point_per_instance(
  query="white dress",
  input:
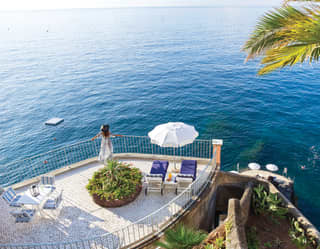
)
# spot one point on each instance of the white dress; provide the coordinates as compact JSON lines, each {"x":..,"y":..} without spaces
{"x":106,"y":149}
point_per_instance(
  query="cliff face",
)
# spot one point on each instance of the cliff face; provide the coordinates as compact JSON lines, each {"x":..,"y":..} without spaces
{"x":228,"y":199}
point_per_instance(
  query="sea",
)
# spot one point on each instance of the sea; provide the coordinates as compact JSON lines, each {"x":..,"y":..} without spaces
{"x":135,"y":68}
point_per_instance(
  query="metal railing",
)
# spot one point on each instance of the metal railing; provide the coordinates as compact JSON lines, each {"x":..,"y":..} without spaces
{"x":144,"y":228}
{"x":21,"y":170}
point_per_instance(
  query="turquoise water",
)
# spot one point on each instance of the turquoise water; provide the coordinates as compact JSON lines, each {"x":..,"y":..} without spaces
{"x":136,"y":68}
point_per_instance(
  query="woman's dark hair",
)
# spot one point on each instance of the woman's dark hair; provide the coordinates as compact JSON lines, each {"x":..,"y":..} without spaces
{"x":105,"y":129}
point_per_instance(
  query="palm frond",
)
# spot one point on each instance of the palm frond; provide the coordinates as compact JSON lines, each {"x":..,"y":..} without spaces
{"x":182,"y":238}
{"x":285,"y":37}
{"x":286,"y":1}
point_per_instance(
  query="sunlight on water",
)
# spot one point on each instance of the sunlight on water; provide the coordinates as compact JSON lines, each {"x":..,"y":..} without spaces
{"x":136,"y":68}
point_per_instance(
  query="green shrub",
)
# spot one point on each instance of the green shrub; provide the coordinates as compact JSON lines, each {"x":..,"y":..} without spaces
{"x":267,"y":244}
{"x":209,"y":247}
{"x":268,"y":203}
{"x":182,"y":237}
{"x":117,"y":180}
{"x":297,"y":235}
{"x":228,"y":226}
{"x":219,"y":243}
{"x":260,"y":199}
{"x":252,"y":240}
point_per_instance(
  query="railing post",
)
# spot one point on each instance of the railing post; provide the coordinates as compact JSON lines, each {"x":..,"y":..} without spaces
{"x":125,"y":144}
{"x":65,"y":154}
{"x":217,"y":143}
{"x":32,"y":168}
{"x":151,"y":148}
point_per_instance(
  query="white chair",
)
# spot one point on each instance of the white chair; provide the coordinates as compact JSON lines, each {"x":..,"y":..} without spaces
{"x":11,"y":197}
{"x":47,"y":182}
{"x":154,"y":183}
{"x":24,"y":215}
{"x":54,"y":201}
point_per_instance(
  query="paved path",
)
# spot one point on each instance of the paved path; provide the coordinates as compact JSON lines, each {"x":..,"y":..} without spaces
{"x":79,"y":217}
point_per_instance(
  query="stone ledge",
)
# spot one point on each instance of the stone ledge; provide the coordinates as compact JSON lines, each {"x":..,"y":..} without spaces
{"x":236,"y":238}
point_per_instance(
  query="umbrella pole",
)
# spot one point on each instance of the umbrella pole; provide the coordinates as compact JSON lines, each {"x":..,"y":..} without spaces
{"x":174,"y":157}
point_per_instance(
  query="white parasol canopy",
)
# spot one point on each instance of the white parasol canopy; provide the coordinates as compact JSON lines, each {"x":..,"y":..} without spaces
{"x":272,"y":167}
{"x":254,"y":166}
{"x":173,"y":134}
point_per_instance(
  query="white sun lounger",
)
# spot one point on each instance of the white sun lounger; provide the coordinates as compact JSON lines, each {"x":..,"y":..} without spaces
{"x":154,"y":183}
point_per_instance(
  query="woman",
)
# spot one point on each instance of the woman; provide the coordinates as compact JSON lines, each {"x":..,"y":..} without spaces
{"x":106,"y":148}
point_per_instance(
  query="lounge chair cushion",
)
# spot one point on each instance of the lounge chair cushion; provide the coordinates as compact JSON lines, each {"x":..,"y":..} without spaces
{"x":185,"y":175}
{"x":184,"y":179}
{"x":154,"y":175}
{"x":159,"y":167}
{"x":189,"y":167}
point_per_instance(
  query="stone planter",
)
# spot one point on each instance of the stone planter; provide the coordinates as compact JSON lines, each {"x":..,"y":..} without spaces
{"x":116,"y":203}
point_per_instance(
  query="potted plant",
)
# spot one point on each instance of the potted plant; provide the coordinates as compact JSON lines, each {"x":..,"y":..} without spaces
{"x":115,"y":185}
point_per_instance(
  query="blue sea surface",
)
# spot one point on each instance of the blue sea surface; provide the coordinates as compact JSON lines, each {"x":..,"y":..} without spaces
{"x":138,"y":67}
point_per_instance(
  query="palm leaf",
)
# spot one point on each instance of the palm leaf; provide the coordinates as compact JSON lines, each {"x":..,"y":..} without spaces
{"x":286,"y":36}
{"x":182,"y":238}
{"x":286,"y":1}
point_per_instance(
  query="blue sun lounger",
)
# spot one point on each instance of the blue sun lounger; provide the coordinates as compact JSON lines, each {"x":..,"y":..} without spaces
{"x":160,"y":167}
{"x":156,"y":177}
{"x":189,"y":167}
{"x":188,"y":173}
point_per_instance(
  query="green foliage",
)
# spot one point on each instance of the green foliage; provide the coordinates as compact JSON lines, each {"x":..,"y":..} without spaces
{"x":219,"y":243}
{"x":277,"y":243}
{"x":297,"y":235}
{"x":286,"y":36}
{"x":117,"y":180}
{"x":268,"y":203}
{"x":228,"y":226}
{"x":252,"y":240}
{"x":260,"y":199}
{"x":267,"y":245}
{"x":182,"y":237}
{"x":209,"y":247}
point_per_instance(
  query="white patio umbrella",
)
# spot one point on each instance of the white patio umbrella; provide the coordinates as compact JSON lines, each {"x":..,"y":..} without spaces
{"x":272,"y":167}
{"x":173,"y":134}
{"x":254,"y":166}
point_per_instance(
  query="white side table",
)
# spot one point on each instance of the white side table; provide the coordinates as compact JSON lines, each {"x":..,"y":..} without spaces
{"x":170,"y":184}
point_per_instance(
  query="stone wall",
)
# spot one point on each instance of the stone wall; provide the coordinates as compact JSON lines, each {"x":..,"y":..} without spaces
{"x":227,"y":177}
{"x":238,"y":214}
{"x":201,"y":213}
{"x":245,"y":203}
{"x":200,"y":216}
{"x":236,"y":237}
